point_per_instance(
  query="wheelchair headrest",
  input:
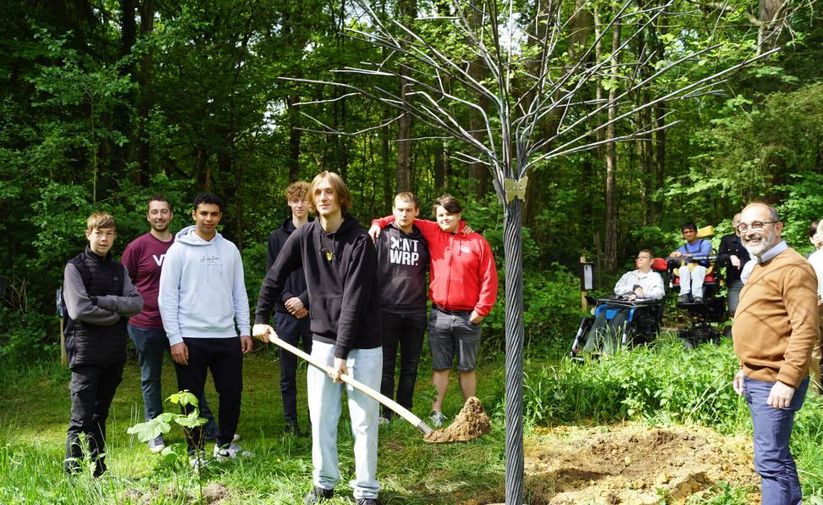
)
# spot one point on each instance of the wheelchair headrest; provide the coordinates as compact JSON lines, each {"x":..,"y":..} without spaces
{"x":705,"y":232}
{"x":659,"y":265}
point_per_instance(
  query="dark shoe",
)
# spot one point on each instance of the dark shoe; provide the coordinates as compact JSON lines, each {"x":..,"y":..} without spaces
{"x":697,"y":299}
{"x":368,"y":501}
{"x":683,"y":299}
{"x":293,"y":429}
{"x":317,"y":495}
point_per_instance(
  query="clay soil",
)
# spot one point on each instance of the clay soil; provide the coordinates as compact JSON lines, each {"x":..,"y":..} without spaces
{"x":634,"y":465}
{"x":471,"y":422}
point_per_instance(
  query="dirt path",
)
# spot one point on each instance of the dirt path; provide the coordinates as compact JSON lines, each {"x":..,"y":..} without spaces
{"x":633,"y":465}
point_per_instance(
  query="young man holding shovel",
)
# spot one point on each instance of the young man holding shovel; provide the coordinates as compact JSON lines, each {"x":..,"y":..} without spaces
{"x":340,"y":264}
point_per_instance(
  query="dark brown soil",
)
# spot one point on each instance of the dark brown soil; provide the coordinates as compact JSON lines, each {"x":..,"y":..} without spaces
{"x":470,"y":423}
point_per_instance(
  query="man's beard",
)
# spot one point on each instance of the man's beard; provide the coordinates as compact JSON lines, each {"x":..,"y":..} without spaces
{"x":157,"y":228}
{"x":768,"y":241}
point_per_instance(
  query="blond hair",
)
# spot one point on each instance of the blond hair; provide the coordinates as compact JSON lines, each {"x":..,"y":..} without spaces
{"x":338,"y":186}
{"x":100,"y":220}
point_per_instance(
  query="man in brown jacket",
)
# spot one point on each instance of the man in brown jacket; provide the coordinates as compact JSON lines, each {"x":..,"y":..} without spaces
{"x":775,"y":328}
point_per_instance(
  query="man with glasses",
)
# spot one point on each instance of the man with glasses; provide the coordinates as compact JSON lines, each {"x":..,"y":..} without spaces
{"x":774,"y":331}
{"x":693,"y":257}
{"x":639,"y":285}
{"x":642,"y":283}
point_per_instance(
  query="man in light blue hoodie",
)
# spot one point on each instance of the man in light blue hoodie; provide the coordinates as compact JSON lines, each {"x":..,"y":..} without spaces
{"x":202,"y":296}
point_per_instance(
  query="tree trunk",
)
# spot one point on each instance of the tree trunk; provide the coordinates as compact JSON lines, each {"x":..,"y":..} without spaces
{"x":515,"y":338}
{"x":770,"y":15}
{"x":407,"y":10}
{"x":611,"y":163}
{"x":145,"y":100}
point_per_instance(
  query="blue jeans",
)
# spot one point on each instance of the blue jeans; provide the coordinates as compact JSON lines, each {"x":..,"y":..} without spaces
{"x":403,"y":331}
{"x":773,"y":460}
{"x":151,"y":344}
{"x":325,"y":406}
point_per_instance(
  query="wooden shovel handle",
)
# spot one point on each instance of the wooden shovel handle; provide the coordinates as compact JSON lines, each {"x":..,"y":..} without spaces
{"x":371,"y":393}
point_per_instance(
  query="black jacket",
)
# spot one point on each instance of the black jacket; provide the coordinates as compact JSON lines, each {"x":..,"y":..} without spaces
{"x":98,"y":297}
{"x":296,"y":282}
{"x":341,"y":281}
{"x":731,"y":245}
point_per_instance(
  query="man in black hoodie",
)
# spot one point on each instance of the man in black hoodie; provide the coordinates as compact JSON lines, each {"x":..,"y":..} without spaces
{"x":403,"y":260}
{"x":340,"y":264}
{"x":290,"y":310}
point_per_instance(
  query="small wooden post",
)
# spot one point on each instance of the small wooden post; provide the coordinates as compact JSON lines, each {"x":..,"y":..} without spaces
{"x":586,"y":282}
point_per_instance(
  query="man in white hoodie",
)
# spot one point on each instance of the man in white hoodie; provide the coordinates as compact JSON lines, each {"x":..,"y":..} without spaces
{"x":202,"y":296}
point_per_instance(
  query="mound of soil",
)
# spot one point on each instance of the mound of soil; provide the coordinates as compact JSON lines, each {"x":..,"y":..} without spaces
{"x":471,"y":422}
{"x":633,"y":465}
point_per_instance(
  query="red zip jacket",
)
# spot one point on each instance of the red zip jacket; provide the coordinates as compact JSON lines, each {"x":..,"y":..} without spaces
{"x":463,"y":273}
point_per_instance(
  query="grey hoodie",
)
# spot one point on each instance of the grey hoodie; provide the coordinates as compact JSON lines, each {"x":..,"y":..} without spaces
{"x":202,"y":289}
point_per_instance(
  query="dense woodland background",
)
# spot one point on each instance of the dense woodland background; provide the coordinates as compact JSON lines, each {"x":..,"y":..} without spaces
{"x":104,"y":103}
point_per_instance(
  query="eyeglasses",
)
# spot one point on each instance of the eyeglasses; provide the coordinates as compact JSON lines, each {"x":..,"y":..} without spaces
{"x":756,"y":225}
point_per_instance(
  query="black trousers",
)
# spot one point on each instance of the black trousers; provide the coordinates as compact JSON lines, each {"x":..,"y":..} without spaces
{"x":403,"y":331}
{"x":223,"y":357}
{"x":92,"y":391}
{"x":292,"y":331}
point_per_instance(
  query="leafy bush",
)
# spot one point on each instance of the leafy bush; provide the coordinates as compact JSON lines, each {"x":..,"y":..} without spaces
{"x":25,"y":337}
{"x":664,"y":382}
{"x":551,"y":310}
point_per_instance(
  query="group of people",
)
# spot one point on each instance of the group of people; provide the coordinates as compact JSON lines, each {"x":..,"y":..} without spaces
{"x":775,"y":298}
{"x":354,"y":298}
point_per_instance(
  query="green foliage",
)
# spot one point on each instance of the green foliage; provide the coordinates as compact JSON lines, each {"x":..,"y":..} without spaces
{"x":662,"y":383}
{"x":27,"y":336}
{"x":161,"y":425}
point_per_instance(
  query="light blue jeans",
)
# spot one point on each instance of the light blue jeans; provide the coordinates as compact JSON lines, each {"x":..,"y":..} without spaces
{"x":325,"y":406}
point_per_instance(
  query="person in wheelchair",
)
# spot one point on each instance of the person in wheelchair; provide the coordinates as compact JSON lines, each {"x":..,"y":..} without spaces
{"x":693,"y":259}
{"x":635,"y":310}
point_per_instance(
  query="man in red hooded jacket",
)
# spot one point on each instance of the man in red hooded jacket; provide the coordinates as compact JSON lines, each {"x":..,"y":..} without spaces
{"x":463,"y":290}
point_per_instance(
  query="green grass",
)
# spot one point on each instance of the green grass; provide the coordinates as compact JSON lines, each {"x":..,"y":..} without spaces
{"x":34,"y":411}
{"x":662,"y":385}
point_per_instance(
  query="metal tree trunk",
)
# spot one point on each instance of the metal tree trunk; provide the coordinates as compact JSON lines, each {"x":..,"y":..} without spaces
{"x":515,"y":336}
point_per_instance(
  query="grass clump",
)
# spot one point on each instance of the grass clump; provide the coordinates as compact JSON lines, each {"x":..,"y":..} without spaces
{"x":665,"y":383}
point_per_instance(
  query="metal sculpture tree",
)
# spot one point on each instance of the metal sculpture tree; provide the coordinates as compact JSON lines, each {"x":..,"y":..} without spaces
{"x":527,"y":81}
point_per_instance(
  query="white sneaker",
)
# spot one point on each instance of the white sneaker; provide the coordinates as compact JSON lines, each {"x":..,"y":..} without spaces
{"x":437,"y":419}
{"x":231,"y":451}
{"x":157,"y":444}
{"x":198,"y":460}
{"x":384,"y":421}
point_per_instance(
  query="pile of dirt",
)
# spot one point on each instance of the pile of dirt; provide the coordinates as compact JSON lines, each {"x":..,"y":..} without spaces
{"x":633,"y":465}
{"x":470,"y":423}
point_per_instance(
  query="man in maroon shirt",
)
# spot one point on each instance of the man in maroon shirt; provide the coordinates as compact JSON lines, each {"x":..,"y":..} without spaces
{"x":143,"y":258}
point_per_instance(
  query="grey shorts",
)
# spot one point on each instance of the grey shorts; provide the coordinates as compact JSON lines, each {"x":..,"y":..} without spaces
{"x":451,"y":333}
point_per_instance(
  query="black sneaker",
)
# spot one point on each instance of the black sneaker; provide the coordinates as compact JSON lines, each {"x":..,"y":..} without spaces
{"x":293,"y":429}
{"x":368,"y":501}
{"x":698,"y":299}
{"x":683,"y":299}
{"x":317,"y":495}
